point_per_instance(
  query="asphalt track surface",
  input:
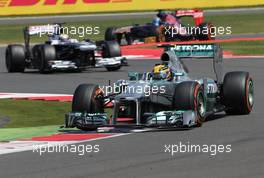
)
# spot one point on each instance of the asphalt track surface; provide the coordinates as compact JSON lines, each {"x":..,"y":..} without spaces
{"x":101,"y":17}
{"x":142,"y":154}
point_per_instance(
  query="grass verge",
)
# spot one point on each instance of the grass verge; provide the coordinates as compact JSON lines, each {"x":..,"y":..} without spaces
{"x":9,"y":134}
{"x":32,"y":118}
{"x":26,"y":113}
{"x":245,"y":47}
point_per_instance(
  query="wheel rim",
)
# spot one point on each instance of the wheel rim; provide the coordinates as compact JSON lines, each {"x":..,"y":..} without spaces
{"x":98,"y":92}
{"x":200,"y":104}
{"x":98,"y":100}
{"x":250,"y":93}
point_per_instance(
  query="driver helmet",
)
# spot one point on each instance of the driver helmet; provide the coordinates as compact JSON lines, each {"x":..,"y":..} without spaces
{"x":64,"y":37}
{"x":156,"y":22}
{"x":161,"y":14}
{"x":162,"y":72}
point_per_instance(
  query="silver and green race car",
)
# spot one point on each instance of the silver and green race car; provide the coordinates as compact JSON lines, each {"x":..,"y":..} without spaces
{"x":181,"y":102}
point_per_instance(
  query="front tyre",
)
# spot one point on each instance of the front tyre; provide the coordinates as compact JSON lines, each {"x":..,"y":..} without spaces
{"x":189,"y":96}
{"x":48,"y":53}
{"x":238,"y":93}
{"x":207,"y":31}
{"x":88,"y":98}
{"x":111,"y":49}
{"x":43,"y":54}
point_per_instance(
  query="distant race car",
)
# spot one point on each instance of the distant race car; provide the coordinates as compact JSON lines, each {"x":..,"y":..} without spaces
{"x":162,"y":31}
{"x":61,"y":52}
{"x":183,"y":102}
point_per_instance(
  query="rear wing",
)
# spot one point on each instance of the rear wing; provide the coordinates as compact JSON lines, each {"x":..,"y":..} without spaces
{"x":43,"y":29}
{"x":39,"y":30}
{"x":193,"y":50}
{"x":210,"y":50}
{"x":197,"y":15}
{"x":192,"y":12}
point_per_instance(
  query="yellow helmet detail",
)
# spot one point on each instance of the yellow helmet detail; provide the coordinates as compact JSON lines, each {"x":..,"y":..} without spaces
{"x":162,"y":72}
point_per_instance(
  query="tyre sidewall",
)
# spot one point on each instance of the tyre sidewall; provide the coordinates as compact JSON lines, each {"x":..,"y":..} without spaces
{"x":15,"y":58}
{"x":235,"y":92}
{"x":186,"y":98}
{"x":84,"y":101}
{"x":47,"y":53}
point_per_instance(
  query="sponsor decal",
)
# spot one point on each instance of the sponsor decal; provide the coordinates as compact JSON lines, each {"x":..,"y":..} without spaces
{"x":194,"y":48}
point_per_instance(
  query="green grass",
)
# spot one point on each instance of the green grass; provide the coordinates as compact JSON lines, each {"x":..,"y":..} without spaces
{"x":245,"y":47}
{"x":14,"y":33}
{"x":33,"y":118}
{"x":240,"y":23}
{"x":8,"y":134}
{"x":26,"y":113}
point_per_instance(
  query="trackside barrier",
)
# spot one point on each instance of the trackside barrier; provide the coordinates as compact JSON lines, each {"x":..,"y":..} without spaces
{"x":33,"y":7}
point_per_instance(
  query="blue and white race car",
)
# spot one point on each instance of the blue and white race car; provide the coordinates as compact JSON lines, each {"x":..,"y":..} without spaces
{"x":60,"y":52}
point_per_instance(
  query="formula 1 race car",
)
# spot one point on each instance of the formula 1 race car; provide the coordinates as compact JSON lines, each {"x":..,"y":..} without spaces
{"x":61,"y":52}
{"x":169,"y":28}
{"x":173,"y":101}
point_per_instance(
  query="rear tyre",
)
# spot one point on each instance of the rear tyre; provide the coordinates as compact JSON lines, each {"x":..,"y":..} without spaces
{"x":189,"y":96}
{"x":15,"y":58}
{"x":238,"y":93}
{"x":111,"y":49}
{"x":88,"y":98}
{"x":207,"y":27}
